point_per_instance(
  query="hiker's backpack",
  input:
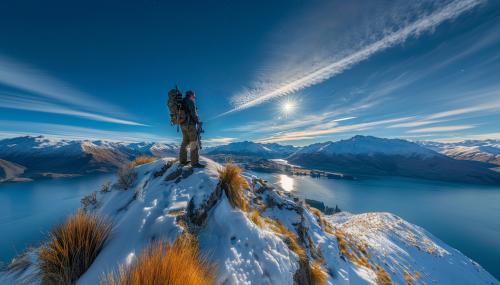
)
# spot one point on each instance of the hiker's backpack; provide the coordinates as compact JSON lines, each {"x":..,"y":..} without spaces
{"x":175,"y":106}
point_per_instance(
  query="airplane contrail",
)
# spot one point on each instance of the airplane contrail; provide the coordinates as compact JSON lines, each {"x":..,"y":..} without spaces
{"x":448,"y":12}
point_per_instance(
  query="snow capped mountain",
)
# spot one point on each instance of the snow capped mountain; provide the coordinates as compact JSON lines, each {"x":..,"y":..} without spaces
{"x":366,"y":155}
{"x":369,"y":145}
{"x":247,"y":148}
{"x":282,"y":244}
{"x":40,"y":155}
{"x":484,"y":151}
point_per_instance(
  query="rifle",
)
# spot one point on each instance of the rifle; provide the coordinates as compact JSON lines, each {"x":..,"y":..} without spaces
{"x":199,"y":131}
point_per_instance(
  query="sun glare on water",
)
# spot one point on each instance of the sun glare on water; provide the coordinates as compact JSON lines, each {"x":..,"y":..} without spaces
{"x":286,"y":183}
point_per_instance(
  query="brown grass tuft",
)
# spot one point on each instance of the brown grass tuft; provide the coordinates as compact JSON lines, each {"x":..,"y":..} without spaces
{"x":143,"y":159}
{"x":256,"y":218}
{"x":383,"y":277}
{"x":162,"y":263}
{"x":234,"y":184}
{"x":355,"y":252}
{"x":290,"y":238}
{"x":72,"y":248}
{"x":318,"y":275}
{"x":408,"y":278}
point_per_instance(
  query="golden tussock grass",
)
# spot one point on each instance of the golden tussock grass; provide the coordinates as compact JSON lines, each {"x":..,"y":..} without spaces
{"x":72,"y":248}
{"x":355,"y":252}
{"x":143,"y":159}
{"x":383,"y":277}
{"x":289,"y":238}
{"x":234,"y":184}
{"x":327,"y":227}
{"x":318,"y":275}
{"x":408,"y":278}
{"x":161,"y":263}
{"x":256,"y":218}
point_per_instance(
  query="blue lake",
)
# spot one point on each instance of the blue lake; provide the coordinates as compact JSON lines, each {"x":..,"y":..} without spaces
{"x":466,"y":217}
{"x":29,"y":210}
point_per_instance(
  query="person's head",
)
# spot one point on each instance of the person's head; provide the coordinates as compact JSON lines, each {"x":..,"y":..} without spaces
{"x":191,"y":95}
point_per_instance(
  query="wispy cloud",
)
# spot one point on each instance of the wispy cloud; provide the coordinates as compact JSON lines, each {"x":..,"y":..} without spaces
{"x":482,"y":136}
{"x":288,"y":84}
{"x":442,"y":129}
{"x":319,"y":131}
{"x":21,"y":128}
{"x":51,"y":95}
{"x":31,"y":104}
{"x":218,"y":141}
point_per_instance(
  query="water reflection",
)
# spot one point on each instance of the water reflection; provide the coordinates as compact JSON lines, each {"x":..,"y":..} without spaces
{"x":286,"y":182}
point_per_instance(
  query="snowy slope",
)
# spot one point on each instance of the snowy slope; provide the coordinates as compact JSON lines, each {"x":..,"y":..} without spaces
{"x":11,"y":171}
{"x":483,"y":151}
{"x":248,"y":252}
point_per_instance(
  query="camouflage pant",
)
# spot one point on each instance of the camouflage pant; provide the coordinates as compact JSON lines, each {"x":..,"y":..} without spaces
{"x":189,"y":138}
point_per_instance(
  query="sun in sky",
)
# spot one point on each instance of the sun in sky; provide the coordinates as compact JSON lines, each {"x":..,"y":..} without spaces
{"x":288,"y":106}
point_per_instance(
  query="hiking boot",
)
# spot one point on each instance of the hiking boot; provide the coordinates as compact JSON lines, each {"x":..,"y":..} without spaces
{"x":184,"y":163}
{"x":198,"y":165}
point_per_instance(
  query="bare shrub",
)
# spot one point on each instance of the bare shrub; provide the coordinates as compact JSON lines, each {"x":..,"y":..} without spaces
{"x":126,"y":176}
{"x":72,"y":248}
{"x":163,"y":263}
{"x":89,"y":200}
{"x":233,"y":184}
{"x":106,"y":187}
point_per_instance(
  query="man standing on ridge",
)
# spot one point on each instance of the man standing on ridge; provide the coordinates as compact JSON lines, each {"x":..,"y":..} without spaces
{"x":190,"y":127}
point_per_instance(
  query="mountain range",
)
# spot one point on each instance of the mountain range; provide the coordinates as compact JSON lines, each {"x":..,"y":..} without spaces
{"x":475,"y":150}
{"x":367,"y":155}
{"x":29,"y":157}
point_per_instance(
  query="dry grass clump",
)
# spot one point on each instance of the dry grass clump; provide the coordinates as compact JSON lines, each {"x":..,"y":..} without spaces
{"x":408,"y":278}
{"x":256,"y":218}
{"x":143,"y":159}
{"x":383,"y":277}
{"x":290,"y":238}
{"x":233,"y":184}
{"x":355,"y":252}
{"x":72,"y":248}
{"x":163,"y":263}
{"x":327,"y":227}
{"x":318,"y":275}
{"x":126,"y":176}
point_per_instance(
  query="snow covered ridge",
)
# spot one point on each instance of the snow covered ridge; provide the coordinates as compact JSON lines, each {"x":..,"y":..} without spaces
{"x":277,"y":240}
{"x":484,"y":151}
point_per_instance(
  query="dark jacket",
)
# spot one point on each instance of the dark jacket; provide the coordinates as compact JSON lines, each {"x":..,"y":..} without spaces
{"x":191,"y":111}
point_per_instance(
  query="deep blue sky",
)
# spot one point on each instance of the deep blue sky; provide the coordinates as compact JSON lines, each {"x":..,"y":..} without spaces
{"x":421,"y":70}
